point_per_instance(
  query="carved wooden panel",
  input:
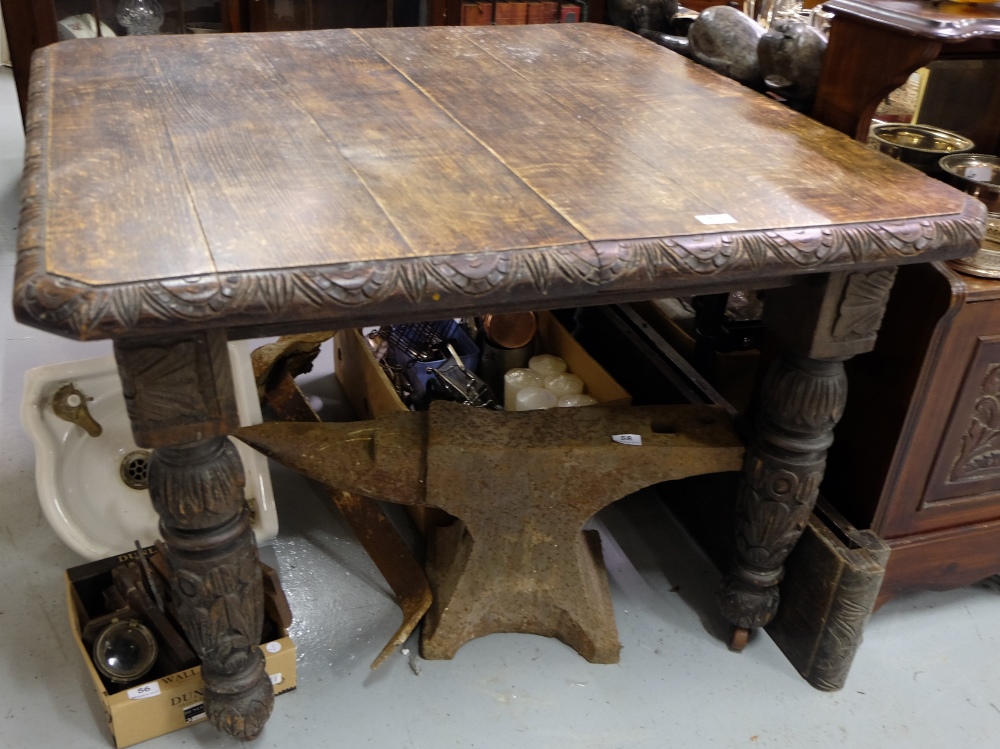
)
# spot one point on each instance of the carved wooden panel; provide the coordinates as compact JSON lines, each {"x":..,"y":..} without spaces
{"x":979,"y":454}
{"x":863,"y":304}
{"x":834,"y":316}
{"x":177,"y":389}
{"x":968,"y":463}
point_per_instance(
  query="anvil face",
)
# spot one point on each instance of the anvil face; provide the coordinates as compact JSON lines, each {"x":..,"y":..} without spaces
{"x":522,"y":486}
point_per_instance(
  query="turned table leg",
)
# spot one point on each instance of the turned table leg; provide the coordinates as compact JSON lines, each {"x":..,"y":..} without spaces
{"x":820,"y":324}
{"x":180,"y":400}
{"x":801,"y":402}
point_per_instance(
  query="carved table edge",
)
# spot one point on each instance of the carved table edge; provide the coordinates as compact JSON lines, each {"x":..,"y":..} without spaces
{"x":354,"y":293}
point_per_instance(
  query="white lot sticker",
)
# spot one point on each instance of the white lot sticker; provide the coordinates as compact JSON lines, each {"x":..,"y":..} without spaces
{"x":145,"y":691}
{"x":277,"y":678}
{"x":716,"y":218}
{"x":273,"y":647}
{"x":627,"y":439}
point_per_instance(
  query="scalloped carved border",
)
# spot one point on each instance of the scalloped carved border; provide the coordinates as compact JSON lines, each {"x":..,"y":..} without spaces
{"x":356,"y":293}
{"x":344,"y":292}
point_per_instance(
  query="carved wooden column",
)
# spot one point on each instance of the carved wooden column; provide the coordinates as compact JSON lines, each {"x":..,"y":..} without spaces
{"x":820,"y":324}
{"x":179,"y":394}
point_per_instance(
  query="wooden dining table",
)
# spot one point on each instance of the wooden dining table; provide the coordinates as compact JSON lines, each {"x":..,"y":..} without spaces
{"x":183,"y":191}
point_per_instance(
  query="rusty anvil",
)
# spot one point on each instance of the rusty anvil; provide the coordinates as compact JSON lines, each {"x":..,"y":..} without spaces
{"x":522,"y":485}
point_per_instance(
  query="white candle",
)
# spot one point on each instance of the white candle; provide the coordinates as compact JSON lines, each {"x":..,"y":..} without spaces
{"x":576,"y":399}
{"x":534,"y":399}
{"x":514,"y":381}
{"x":547,"y":364}
{"x":564,"y":383}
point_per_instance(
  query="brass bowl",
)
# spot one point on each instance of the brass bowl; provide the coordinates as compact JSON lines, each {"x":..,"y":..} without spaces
{"x":976,"y":174}
{"x":979,"y":176}
{"x":920,"y":146}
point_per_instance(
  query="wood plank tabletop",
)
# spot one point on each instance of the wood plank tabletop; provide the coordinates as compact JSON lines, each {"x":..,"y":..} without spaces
{"x":359,"y":175}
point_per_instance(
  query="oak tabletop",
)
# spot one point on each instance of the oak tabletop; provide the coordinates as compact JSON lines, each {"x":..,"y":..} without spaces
{"x":360,"y":176}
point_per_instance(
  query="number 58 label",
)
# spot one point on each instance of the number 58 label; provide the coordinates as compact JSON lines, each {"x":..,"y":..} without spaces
{"x":627,"y":439}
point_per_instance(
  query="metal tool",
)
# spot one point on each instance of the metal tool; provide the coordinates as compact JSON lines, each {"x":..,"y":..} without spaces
{"x":522,"y":485}
{"x":459,"y":384}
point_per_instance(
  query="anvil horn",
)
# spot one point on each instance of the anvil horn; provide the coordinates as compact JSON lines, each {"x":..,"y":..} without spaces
{"x":382,"y":459}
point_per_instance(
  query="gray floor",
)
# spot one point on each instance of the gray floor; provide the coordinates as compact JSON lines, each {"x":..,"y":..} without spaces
{"x":926,"y":675}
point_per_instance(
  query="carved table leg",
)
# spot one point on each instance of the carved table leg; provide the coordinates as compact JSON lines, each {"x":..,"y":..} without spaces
{"x":180,"y":401}
{"x":821,"y":324}
{"x":801,"y":402}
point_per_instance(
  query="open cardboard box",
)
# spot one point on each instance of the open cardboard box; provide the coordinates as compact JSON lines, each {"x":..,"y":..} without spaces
{"x":372,"y":395}
{"x":170,"y":701}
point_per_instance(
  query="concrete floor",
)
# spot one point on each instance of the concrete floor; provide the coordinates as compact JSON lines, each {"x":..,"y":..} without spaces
{"x":926,"y":675}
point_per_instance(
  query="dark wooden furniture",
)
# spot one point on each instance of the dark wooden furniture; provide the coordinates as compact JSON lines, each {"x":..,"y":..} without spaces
{"x":32,"y":23}
{"x":449,"y":12}
{"x":923,"y":475}
{"x":355,"y":178}
{"x":876,"y":44}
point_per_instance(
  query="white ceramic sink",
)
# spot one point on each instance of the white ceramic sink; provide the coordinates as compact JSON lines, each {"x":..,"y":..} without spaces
{"x":79,"y":480}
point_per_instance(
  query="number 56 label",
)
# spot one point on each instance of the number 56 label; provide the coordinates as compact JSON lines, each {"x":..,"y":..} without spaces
{"x":145,"y":691}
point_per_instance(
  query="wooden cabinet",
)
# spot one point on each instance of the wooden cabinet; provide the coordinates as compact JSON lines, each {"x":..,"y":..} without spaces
{"x":876,"y":44}
{"x":917,"y":457}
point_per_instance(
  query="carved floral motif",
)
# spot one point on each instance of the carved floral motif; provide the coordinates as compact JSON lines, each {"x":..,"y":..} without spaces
{"x":979,"y":454}
{"x":863,"y":303}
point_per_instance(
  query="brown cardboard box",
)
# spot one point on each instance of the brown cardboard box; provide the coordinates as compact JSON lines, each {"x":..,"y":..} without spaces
{"x":172,"y":701}
{"x":372,"y":395}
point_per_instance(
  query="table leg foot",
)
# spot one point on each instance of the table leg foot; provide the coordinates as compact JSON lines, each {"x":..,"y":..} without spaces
{"x":240,"y":705}
{"x":738,"y":639}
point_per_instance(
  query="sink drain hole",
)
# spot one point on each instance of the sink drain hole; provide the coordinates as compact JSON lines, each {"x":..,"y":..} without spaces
{"x":135,"y":469}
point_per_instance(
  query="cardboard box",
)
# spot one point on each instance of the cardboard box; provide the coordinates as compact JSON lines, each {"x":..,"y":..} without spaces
{"x":163,"y":704}
{"x":372,"y":395}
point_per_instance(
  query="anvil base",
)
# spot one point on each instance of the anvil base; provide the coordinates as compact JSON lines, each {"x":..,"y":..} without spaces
{"x":474,"y":597}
